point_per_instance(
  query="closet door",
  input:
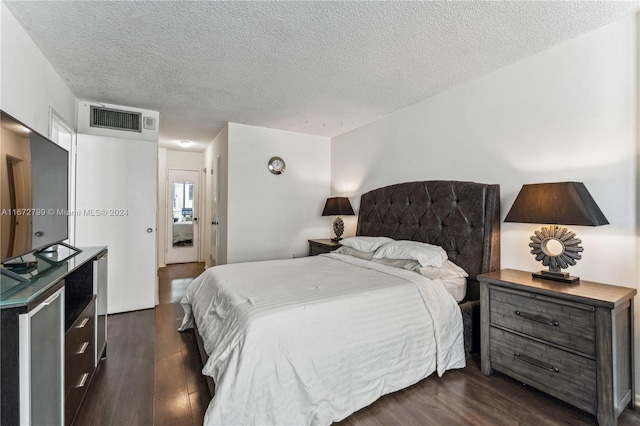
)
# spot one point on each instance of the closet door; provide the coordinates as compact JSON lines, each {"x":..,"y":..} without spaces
{"x":116,"y":203}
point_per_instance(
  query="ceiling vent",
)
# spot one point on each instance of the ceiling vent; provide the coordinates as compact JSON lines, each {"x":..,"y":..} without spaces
{"x":108,"y":118}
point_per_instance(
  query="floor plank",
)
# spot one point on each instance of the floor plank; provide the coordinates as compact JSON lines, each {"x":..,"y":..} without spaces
{"x":178,"y":378}
{"x":168,"y":340}
{"x":172,"y":405}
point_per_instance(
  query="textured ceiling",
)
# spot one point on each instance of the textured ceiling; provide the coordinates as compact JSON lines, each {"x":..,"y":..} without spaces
{"x":312,"y":67}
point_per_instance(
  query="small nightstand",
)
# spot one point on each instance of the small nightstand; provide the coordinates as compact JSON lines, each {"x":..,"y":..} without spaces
{"x":571,"y":341}
{"x":320,"y":246}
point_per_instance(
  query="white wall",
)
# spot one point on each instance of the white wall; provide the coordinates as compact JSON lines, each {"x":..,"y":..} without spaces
{"x":170,"y":159}
{"x":272,"y":216}
{"x":28,"y":83}
{"x":184,"y":160}
{"x":567,"y":114}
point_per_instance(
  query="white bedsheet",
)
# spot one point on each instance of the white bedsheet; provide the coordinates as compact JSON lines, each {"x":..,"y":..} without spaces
{"x":311,"y":340}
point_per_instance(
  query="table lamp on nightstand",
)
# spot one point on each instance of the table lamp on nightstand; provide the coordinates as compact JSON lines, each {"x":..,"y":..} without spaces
{"x":338,"y":206}
{"x":563,"y":203}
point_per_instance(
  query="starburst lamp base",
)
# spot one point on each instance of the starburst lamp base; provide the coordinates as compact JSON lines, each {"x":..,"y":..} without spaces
{"x":556,"y":247}
{"x":338,"y":228}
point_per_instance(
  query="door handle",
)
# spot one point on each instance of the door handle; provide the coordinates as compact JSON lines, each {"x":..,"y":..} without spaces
{"x":214,"y":223}
{"x":149,"y":230}
{"x":195,"y":219}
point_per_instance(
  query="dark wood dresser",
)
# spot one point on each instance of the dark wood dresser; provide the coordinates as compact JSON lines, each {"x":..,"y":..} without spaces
{"x":56,"y":321}
{"x":325,"y":245}
{"x":571,"y":341}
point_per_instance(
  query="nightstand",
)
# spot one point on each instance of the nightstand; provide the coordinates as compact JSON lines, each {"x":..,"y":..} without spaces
{"x":571,"y":341}
{"x":320,"y":246}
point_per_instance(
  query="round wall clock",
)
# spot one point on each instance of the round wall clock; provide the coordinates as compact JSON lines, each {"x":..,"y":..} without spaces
{"x":276,"y":165}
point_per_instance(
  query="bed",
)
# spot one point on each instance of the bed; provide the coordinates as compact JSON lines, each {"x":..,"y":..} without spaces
{"x":344,"y":331}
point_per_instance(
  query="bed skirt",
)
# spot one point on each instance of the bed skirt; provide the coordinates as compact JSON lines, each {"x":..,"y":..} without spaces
{"x":471,"y":326}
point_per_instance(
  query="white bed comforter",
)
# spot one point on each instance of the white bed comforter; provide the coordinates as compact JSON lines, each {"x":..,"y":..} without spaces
{"x":312,"y":340}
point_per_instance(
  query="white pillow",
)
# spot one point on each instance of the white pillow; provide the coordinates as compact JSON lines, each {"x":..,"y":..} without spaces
{"x":447,"y":270}
{"x":426,"y":254}
{"x":367,"y":244}
{"x":355,"y":253}
{"x":409,"y":264}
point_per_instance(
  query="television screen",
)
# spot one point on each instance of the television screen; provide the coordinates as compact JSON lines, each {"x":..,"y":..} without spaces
{"x":34,"y":191}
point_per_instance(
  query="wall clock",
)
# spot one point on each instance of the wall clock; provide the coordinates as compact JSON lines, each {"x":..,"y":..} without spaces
{"x":276,"y":165}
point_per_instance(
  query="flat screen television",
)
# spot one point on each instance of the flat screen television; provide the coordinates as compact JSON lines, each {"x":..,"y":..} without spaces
{"x":34,"y":193}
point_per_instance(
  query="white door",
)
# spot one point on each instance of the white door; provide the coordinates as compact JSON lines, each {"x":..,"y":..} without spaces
{"x":116,"y":205}
{"x":215,"y":222}
{"x":182,"y":216}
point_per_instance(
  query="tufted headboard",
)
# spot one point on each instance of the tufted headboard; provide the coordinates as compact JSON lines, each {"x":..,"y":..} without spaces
{"x":461,"y":217}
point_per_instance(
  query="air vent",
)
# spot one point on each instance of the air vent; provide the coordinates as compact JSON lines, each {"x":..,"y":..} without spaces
{"x":108,"y":118}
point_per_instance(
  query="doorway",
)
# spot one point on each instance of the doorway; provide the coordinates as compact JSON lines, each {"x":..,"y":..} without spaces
{"x":182,"y":216}
{"x":215,"y":221}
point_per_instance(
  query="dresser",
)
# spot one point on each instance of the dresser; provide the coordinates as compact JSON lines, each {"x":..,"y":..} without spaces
{"x":324,"y":245}
{"x":54,"y":334}
{"x":571,"y":341}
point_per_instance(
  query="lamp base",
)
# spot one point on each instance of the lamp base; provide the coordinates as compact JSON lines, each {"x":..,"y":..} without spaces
{"x":338,"y":228}
{"x":562,"y":277}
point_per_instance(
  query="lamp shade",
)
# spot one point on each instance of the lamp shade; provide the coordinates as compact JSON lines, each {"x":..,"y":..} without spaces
{"x":337,"y":206}
{"x":562,"y":203}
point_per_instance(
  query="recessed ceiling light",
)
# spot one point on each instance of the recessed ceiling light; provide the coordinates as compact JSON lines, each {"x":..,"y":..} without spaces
{"x":185,"y":144}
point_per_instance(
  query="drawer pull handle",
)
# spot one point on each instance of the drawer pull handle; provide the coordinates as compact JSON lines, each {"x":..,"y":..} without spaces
{"x":83,"y":323}
{"x":83,"y":380}
{"x":535,"y":318}
{"x":82,"y":348}
{"x":536,"y":363}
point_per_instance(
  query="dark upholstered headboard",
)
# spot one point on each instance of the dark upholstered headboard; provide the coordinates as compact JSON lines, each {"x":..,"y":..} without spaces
{"x":461,"y":217}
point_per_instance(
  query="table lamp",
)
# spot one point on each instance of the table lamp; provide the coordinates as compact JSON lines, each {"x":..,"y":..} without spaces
{"x":338,"y":206}
{"x":562,"y":203}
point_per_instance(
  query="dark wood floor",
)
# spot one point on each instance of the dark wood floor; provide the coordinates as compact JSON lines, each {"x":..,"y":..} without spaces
{"x":152,"y":376}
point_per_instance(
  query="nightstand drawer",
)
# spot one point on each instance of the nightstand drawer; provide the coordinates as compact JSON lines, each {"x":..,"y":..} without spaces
{"x":556,"y":372}
{"x":564,"y":323}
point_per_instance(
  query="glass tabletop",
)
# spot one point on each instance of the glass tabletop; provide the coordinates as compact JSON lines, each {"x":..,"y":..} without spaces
{"x":32,"y":274}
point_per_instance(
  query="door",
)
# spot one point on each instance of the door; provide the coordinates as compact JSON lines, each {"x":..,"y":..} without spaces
{"x":116,"y":206}
{"x":182,"y":216}
{"x":215,"y":235}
